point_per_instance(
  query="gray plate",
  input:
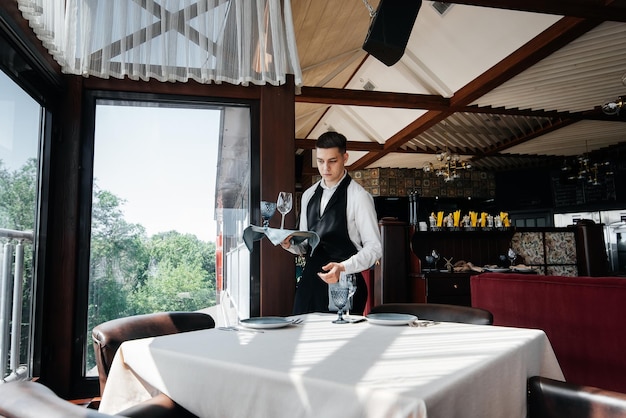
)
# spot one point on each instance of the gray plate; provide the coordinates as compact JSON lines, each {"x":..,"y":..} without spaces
{"x":265,"y":322}
{"x":390,"y":318}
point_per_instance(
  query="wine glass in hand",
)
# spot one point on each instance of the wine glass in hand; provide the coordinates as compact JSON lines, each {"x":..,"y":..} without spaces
{"x":284,"y":204}
{"x":267,"y":211}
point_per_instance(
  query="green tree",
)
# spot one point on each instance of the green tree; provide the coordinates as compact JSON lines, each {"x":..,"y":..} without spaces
{"x":180,"y":288}
{"x":176,"y":248}
{"x":182,"y":274}
{"x":118,"y":260}
{"x":18,"y":193}
{"x":18,"y":196}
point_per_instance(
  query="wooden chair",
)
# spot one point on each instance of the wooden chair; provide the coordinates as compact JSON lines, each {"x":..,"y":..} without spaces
{"x":29,"y":399}
{"x":548,"y":398}
{"x":438,"y":312}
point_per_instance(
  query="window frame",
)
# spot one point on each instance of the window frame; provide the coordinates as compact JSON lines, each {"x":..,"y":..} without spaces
{"x":43,"y":86}
{"x":88,"y":385}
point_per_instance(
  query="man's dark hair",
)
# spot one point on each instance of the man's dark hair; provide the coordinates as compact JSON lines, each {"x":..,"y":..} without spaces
{"x":332,"y":139}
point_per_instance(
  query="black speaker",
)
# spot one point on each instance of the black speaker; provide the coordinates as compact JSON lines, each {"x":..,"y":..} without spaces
{"x":390,"y":29}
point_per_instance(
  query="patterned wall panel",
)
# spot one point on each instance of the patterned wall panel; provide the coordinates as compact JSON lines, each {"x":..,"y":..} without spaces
{"x":560,"y":248}
{"x":570,"y":271}
{"x":552,"y":253}
{"x":529,"y":246}
{"x":398,"y":182}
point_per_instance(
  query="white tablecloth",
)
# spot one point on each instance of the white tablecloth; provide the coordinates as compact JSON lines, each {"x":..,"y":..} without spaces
{"x":321,"y":369}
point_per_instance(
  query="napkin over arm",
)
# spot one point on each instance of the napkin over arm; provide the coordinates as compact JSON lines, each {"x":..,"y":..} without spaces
{"x":276,"y":236}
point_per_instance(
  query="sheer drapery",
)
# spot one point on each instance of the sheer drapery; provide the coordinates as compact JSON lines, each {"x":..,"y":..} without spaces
{"x":234,"y":41}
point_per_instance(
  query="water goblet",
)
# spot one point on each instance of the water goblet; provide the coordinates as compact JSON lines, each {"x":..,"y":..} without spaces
{"x":284,"y":204}
{"x":430,"y":263}
{"x":340,"y":298}
{"x":435,"y":256}
{"x":267,"y":211}
{"x":512,"y":256}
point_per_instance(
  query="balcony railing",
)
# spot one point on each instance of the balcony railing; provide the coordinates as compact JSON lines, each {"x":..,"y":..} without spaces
{"x":11,"y":303}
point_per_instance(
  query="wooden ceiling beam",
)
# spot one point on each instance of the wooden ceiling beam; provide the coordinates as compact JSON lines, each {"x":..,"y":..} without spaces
{"x":328,"y":96}
{"x":611,"y":10}
{"x":426,"y":121}
{"x":335,"y":96}
{"x":350,"y":145}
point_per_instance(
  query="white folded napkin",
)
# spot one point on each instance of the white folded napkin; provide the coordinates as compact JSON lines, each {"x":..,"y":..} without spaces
{"x":276,"y":236}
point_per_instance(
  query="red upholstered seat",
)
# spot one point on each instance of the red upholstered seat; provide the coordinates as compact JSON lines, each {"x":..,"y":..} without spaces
{"x":583,"y":317}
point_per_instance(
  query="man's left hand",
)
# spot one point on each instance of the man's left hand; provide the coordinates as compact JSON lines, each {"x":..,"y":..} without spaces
{"x":331,"y":272}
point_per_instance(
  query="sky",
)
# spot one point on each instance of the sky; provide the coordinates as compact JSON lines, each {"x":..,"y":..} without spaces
{"x":162,"y":162}
{"x":19,"y":124}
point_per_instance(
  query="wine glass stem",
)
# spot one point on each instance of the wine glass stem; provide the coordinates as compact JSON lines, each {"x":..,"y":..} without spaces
{"x":282,"y":221}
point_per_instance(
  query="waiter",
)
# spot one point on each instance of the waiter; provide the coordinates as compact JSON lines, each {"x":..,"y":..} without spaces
{"x":342,"y":213}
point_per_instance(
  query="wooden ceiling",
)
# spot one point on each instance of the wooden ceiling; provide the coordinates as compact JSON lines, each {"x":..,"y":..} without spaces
{"x":507,"y":84}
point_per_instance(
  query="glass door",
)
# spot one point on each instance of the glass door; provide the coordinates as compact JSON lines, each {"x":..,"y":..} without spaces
{"x":20,"y":142}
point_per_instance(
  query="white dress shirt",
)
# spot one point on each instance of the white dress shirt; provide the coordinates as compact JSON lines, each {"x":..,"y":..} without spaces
{"x":362,"y":224}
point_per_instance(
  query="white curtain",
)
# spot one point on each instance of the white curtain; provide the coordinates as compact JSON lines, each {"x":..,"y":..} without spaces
{"x":233,"y":41}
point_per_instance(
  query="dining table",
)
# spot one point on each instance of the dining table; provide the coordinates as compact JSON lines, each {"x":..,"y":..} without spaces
{"x":317,"y":368}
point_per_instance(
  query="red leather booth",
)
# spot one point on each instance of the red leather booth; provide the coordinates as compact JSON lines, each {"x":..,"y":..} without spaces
{"x":583,"y":317}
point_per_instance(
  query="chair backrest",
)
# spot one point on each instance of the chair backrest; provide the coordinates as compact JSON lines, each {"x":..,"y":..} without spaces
{"x":27,"y":399}
{"x":438,"y":312}
{"x":548,"y":398}
{"x":108,"y":336}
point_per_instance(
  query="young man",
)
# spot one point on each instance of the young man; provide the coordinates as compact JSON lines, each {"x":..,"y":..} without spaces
{"x":342,"y":213}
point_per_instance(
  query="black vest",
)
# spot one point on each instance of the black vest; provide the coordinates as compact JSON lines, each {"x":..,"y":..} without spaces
{"x":332,"y":225}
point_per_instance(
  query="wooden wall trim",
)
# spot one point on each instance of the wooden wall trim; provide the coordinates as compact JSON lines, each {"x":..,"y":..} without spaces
{"x":277,"y":166}
{"x":191,"y":88}
{"x":61,"y":243}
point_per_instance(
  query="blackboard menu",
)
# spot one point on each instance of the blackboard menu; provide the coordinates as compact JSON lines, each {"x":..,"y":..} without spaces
{"x":572,"y":193}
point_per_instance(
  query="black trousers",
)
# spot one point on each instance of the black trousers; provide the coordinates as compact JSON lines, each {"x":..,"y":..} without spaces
{"x":312,"y":292}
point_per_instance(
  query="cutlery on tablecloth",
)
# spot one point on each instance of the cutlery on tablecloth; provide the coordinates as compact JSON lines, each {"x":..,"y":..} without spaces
{"x":231,"y":328}
{"x":422,"y":323}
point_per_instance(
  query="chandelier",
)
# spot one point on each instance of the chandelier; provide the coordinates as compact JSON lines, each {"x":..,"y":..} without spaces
{"x":587,"y":171}
{"x":614,"y":106}
{"x":448,"y":166}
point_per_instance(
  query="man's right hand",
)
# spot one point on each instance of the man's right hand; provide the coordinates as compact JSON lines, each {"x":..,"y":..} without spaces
{"x":286,"y":243}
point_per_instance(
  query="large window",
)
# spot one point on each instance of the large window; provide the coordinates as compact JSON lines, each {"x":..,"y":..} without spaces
{"x":167,"y":176}
{"x":20,"y":139}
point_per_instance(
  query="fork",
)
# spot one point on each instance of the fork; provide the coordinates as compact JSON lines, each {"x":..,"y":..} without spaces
{"x":233,"y":328}
{"x":422,"y":323}
{"x":296,"y":321}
